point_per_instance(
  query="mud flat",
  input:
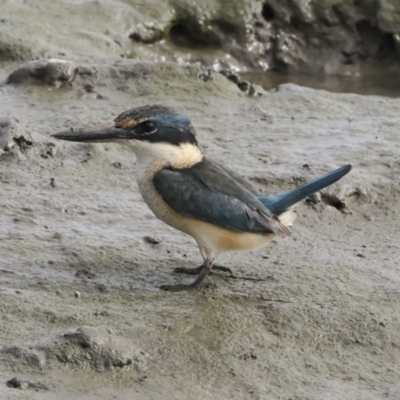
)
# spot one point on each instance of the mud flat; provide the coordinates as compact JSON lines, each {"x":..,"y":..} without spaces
{"x":314,"y":316}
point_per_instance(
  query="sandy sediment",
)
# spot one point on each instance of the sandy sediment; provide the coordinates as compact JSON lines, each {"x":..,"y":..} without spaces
{"x":314,"y":316}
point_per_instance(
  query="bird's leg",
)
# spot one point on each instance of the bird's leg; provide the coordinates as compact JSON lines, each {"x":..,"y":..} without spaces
{"x":204,"y":271}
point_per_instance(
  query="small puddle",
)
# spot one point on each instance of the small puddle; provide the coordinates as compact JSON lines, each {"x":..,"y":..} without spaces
{"x":377,"y":81}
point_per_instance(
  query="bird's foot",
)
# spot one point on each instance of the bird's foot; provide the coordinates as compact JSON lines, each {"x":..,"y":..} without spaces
{"x":182,"y":287}
{"x":222,"y":269}
{"x":188,"y":271}
{"x":202,"y":272}
{"x":196,"y":270}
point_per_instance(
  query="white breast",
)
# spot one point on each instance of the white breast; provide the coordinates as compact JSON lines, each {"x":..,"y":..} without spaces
{"x":152,"y":157}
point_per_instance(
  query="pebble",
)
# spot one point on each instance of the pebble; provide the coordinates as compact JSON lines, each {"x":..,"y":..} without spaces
{"x":152,"y":240}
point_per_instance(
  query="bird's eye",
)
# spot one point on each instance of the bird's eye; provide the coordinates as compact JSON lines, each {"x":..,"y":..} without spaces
{"x":148,"y":127}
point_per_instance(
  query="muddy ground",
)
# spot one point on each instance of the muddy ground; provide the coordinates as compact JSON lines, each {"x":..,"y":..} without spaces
{"x":314,"y":316}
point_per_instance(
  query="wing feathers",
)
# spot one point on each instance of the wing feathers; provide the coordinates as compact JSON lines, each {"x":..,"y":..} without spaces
{"x":208,"y":193}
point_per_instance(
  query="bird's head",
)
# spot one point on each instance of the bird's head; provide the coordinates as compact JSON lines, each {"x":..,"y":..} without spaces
{"x":141,"y":128}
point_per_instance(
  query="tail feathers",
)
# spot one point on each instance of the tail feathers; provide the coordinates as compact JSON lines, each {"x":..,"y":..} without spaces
{"x":280,"y":203}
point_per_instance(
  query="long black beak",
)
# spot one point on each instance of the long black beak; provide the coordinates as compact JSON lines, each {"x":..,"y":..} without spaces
{"x":96,"y":135}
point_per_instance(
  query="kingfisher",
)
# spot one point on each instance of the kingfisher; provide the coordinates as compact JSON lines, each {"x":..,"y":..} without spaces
{"x":221,"y":210}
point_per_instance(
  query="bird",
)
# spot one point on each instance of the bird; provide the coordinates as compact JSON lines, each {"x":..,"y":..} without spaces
{"x":214,"y":204}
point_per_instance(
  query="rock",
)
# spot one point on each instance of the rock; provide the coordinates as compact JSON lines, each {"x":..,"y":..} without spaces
{"x":17,"y":383}
{"x":152,"y":240}
{"x":147,"y":33}
{"x":322,"y":37}
{"x":292,"y":36}
{"x":388,"y":16}
{"x":12,"y":136}
{"x":50,"y":72}
{"x":9,"y":128}
{"x":245,"y":86}
{"x":117,"y":165}
{"x":315,"y":36}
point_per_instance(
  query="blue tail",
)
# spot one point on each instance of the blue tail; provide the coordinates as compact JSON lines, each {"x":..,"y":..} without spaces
{"x":282,"y":202}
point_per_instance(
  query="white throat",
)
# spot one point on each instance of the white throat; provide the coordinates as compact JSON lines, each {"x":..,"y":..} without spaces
{"x":160,"y":155}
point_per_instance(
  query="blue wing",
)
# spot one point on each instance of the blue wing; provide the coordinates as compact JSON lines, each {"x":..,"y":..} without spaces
{"x":282,"y":202}
{"x":252,"y":189}
{"x":210,"y":193}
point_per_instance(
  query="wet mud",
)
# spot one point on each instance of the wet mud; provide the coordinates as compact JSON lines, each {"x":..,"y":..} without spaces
{"x":314,"y":316}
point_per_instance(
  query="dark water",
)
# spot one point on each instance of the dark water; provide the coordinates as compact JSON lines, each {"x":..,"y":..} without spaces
{"x":380,"y":82}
